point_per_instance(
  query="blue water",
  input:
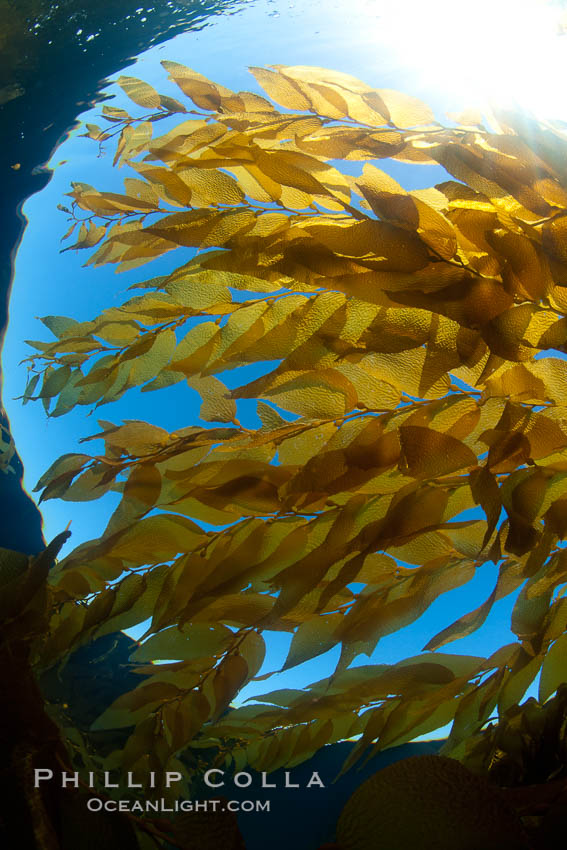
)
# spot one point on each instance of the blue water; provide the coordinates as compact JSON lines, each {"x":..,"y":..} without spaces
{"x":346,"y":36}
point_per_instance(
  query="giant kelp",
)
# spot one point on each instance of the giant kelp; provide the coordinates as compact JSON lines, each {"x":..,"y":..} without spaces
{"x":419,"y":339}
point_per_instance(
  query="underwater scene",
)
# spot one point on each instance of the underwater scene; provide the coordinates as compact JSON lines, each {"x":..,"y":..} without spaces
{"x":283,"y":459}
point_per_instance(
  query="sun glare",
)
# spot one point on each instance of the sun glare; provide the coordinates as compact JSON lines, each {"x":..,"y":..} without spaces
{"x":499,"y":52}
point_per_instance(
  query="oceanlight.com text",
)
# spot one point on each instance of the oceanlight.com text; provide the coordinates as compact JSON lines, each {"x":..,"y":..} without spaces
{"x":96,"y":804}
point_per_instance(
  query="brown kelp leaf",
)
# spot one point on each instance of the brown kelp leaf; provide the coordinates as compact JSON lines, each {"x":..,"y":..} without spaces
{"x":429,"y":454}
{"x":485,"y":491}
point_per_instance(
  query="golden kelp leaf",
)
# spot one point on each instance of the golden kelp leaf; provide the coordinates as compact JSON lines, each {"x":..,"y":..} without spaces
{"x":269,"y":417}
{"x":184,"y":718}
{"x":149,"y":363}
{"x":313,"y":638}
{"x":240,"y":609}
{"x":90,"y":484}
{"x":527,"y":271}
{"x":556,"y":518}
{"x":268,"y":332}
{"x":119,"y":333}
{"x":133,"y":139}
{"x":133,"y":437}
{"x":194,"y":641}
{"x":194,"y":350}
{"x":138,"y":189}
{"x":522,"y":507}
{"x":436,"y":230}
{"x":255,"y":184}
{"x":140,"y":92}
{"x":166,"y":184}
{"x":314,"y":75}
{"x":515,"y":333}
{"x":553,"y":669}
{"x":336,"y":94}
{"x":161,"y":537}
{"x":203,"y":92}
{"x":59,"y":325}
{"x":429,"y":454}
{"x":253,"y":650}
{"x":170,"y":104}
{"x":529,"y":614}
{"x":517,"y":382}
{"x":509,"y":579}
{"x":280,"y":88}
{"x":386,"y":197}
{"x":137,"y":605}
{"x":128,"y":707}
{"x":413,"y":372}
{"x":88,"y":236}
{"x":352,"y":144}
{"x":188,"y":134}
{"x":553,"y":235}
{"x":228,"y":679}
{"x":193,"y":290}
{"x":196,"y":229}
{"x":210,"y":188}
{"x":109,"y":202}
{"x":383,"y":613}
{"x":65,"y":627}
{"x":111,"y":113}
{"x":419,"y":717}
{"x":249,"y":102}
{"x":217,"y":405}
{"x":388,"y":247}
{"x":484,"y":489}
{"x":371,"y":393}
{"x":406,"y":111}
{"x":63,"y":470}
{"x":53,"y":381}
{"x":322,"y":394}
{"x":289,"y":169}
{"x":523,"y":672}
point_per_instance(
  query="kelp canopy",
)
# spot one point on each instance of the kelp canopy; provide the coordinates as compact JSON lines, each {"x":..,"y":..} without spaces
{"x":418,"y":338}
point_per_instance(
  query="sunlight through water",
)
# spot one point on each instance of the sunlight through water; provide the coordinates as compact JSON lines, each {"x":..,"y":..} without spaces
{"x":505,"y":53}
